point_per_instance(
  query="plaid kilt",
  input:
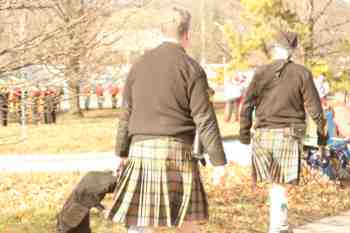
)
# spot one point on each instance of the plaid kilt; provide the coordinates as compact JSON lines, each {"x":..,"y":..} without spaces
{"x":160,"y":186}
{"x":276,"y":156}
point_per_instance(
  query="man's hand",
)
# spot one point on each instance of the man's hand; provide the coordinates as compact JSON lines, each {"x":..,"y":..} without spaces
{"x":121,"y":162}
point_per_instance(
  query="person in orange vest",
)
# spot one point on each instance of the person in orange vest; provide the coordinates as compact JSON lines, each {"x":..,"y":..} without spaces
{"x":114,"y":90}
{"x":35,"y":95}
{"x":99,"y":94}
{"x":50,"y":105}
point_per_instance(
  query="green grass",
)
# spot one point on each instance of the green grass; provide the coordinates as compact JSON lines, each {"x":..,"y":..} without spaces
{"x":93,"y":133}
{"x":29,"y":203}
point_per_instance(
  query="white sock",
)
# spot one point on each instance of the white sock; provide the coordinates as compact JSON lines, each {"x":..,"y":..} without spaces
{"x":134,"y":229}
{"x":278,"y":209}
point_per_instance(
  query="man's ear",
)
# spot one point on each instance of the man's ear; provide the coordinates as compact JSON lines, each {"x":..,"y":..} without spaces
{"x":188,"y":36}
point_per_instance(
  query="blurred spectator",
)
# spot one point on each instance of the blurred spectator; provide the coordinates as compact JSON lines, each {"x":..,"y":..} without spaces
{"x":322,"y":87}
{"x":4,"y":104}
{"x":49,"y":106}
{"x":234,"y":96}
{"x":17,"y":98}
{"x":87,"y":95}
{"x":34,"y":100}
{"x":114,"y":90}
{"x":99,"y":94}
{"x":332,"y":126}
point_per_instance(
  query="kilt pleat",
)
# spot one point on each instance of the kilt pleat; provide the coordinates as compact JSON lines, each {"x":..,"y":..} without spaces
{"x":160,"y":186}
{"x":276,"y":154}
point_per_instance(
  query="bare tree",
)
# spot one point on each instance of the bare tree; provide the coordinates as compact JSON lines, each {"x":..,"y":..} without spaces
{"x":75,"y":36}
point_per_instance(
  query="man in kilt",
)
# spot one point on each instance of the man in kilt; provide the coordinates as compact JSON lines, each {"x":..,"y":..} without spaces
{"x":165,"y":100}
{"x":279,"y":94}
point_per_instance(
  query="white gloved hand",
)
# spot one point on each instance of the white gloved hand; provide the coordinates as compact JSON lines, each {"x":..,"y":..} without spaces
{"x":218,"y":174}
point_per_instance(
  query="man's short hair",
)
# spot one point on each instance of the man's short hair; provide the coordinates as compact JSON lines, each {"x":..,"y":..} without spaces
{"x":176,"y":23}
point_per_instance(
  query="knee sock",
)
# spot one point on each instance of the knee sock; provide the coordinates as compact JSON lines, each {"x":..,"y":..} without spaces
{"x":278,"y":209}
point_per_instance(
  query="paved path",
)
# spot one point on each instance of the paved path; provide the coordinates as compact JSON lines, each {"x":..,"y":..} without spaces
{"x":337,"y":224}
{"x":93,"y":161}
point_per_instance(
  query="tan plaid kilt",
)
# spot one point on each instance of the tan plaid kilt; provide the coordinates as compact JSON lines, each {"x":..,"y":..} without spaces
{"x":160,"y":186}
{"x":276,"y":156}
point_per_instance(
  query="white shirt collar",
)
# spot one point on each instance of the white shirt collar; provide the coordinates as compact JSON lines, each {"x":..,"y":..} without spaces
{"x":280,"y":53}
{"x":168,"y":39}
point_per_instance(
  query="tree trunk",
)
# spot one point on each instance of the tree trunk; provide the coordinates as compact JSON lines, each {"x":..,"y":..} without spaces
{"x":74,"y":98}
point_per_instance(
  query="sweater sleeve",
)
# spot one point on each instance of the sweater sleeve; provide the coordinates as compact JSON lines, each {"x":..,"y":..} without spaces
{"x":246,"y":115}
{"x":203,"y":114}
{"x":122,"y":139}
{"x":313,"y":107}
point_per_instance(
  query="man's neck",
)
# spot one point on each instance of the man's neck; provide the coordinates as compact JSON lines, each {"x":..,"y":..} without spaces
{"x":280,"y":53}
{"x":173,"y":40}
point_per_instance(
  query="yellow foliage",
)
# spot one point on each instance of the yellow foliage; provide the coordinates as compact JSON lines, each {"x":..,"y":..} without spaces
{"x":319,"y":67}
{"x":257,"y":6}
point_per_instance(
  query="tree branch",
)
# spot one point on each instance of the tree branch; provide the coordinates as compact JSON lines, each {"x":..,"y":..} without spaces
{"x":323,"y":11}
{"x":223,"y":49}
{"x":335,"y":26}
{"x":330,"y":42}
{"x":23,"y":6}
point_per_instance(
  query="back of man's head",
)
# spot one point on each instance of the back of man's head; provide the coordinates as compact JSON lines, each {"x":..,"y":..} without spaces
{"x":176,"y":23}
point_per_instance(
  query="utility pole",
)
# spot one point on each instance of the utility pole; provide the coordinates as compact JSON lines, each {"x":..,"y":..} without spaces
{"x":22,"y":24}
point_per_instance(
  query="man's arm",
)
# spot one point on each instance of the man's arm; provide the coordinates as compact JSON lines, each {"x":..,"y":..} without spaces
{"x":246,"y":116}
{"x":123,"y":140}
{"x":203,"y":114}
{"x":313,"y":106}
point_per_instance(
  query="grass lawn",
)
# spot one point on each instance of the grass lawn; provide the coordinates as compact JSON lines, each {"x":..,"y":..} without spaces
{"x":93,"y":133}
{"x":30,"y":202}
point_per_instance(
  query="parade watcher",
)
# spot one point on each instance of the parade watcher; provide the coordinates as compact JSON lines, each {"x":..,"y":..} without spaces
{"x":55,"y":95}
{"x":34,"y":102}
{"x":4,"y":105}
{"x":100,"y":96}
{"x":234,"y":95}
{"x":17,"y":98}
{"x":322,"y":87}
{"x":50,"y":106}
{"x":87,"y":95}
{"x":114,"y":90}
{"x":47,"y":106}
{"x":332,"y":126}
